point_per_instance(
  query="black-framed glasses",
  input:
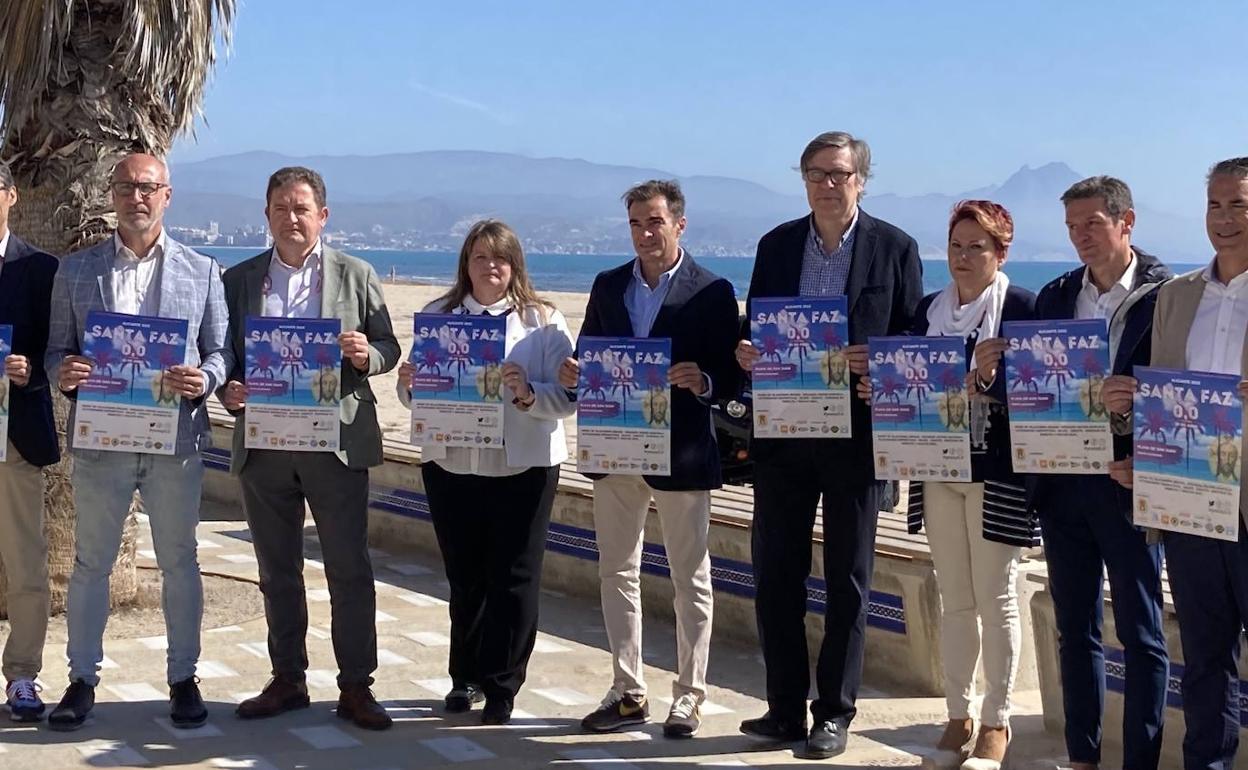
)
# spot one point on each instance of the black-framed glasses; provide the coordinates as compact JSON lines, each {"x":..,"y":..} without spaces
{"x":145,"y":189}
{"x":819,"y":175}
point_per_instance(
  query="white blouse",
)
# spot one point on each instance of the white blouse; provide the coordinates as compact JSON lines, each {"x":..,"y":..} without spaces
{"x":532,"y":437}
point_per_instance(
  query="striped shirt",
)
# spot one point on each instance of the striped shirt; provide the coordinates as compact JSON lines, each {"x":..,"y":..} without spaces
{"x":824,"y":273}
{"x":1007,"y":519}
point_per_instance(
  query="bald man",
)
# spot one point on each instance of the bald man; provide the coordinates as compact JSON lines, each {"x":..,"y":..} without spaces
{"x":139,"y":271}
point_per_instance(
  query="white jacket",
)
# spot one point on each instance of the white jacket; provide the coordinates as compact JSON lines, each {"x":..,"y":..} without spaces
{"x":533,"y":437}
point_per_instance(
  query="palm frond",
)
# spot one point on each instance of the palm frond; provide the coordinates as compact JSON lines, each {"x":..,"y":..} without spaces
{"x":161,"y":50}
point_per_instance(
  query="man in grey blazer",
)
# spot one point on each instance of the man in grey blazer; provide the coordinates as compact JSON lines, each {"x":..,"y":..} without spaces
{"x":302,"y":278}
{"x":139,"y":271}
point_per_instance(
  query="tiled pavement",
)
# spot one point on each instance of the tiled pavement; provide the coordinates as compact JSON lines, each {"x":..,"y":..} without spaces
{"x":569,"y":672}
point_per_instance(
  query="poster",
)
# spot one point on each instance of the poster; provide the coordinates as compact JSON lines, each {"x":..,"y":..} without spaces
{"x":920,"y":417}
{"x":457,"y":389}
{"x":1054,"y":372}
{"x":801,"y":383}
{"x":1188,"y":440}
{"x":294,"y":379}
{"x":125,"y":406}
{"x":623,"y":407}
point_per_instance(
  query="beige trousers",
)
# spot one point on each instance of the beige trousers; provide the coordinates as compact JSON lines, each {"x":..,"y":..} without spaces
{"x":25,"y":554}
{"x":620,"y":507}
{"x":977,"y":581}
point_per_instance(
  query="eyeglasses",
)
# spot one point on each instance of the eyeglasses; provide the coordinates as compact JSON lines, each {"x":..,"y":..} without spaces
{"x":819,"y":176}
{"x":146,"y":189}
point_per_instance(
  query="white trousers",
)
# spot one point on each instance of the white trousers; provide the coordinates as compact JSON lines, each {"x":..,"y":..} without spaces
{"x":977,"y":581}
{"x":620,"y":507}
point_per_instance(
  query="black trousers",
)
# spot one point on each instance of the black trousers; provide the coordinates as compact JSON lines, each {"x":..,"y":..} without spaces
{"x":275,"y":486}
{"x":1209,"y":579}
{"x":787,"y":492}
{"x":492,"y":533}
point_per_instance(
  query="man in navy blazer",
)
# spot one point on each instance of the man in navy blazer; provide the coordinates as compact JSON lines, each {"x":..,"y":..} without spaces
{"x":662,"y":293}
{"x":26,"y":276}
{"x":837,"y":249}
{"x":1086,"y":521}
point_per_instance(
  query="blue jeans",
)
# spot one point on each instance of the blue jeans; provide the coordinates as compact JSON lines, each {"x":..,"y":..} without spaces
{"x":104,"y":483}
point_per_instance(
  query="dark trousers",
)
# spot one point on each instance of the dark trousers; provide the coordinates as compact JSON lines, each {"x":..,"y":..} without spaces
{"x":1209,"y":581}
{"x":492,"y":533}
{"x":275,"y":486}
{"x":1087,"y":531}
{"x":787,"y":490}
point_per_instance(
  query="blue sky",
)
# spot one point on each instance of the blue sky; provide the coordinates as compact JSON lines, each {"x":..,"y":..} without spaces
{"x":951,"y":96}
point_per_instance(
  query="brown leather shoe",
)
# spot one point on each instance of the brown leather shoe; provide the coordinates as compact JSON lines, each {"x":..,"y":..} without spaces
{"x":356,"y":703}
{"x":279,"y":696}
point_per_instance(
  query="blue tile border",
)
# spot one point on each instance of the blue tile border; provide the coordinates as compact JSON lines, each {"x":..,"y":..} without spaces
{"x":885,"y":611}
{"x":216,"y":459}
{"x":1115,"y":681}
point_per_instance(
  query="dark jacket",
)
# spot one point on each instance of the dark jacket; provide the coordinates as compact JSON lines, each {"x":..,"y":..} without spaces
{"x":1006,"y":518}
{"x":992,"y":459}
{"x":26,"y":304}
{"x":884,"y":286}
{"x":1056,"y":301}
{"x":699,"y":315}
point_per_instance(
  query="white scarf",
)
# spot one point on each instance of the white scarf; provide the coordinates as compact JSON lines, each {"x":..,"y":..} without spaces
{"x":947,"y":318}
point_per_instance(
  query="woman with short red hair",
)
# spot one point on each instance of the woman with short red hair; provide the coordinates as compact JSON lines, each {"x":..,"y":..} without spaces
{"x":977,"y":529}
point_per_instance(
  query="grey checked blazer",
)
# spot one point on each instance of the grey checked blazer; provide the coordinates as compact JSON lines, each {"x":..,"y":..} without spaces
{"x":190,"y":288}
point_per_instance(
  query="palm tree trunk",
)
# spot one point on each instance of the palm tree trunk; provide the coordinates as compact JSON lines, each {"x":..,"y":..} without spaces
{"x":83,"y":84}
{"x":40,"y":219}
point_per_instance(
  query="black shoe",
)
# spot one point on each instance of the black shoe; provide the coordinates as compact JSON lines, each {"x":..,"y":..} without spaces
{"x":75,"y":707}
{"x":461,"y":699}
{"x":186,"y":707}
{"x":615,"y":712}
{"x":497,"y":711}
{"x":827,"y":739}
{"x":773,"y":729}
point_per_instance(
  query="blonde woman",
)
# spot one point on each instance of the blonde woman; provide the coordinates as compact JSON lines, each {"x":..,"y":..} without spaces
{"x":491,"y":505}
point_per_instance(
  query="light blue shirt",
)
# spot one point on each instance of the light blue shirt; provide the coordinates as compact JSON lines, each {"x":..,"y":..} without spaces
{"x":825,"y":272}
{"x":644,"y":304}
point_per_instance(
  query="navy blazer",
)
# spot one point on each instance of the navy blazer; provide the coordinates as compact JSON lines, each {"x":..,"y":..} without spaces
{"x":1057,"y":300}
{"x":993,"y":461}
{"x":700,"y":317}
{"x":26,"y":304}
{"x":884,"y":286}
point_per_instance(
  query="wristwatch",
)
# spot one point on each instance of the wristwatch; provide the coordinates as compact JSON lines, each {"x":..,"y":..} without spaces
{"x":517,"y":401}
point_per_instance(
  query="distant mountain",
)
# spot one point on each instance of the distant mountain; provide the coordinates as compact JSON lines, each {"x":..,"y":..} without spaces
{"x":1032,"y":196}
{"x":427,"y":200}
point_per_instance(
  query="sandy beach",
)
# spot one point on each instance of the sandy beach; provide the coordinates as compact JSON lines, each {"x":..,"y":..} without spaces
{"x":405,"y":299}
